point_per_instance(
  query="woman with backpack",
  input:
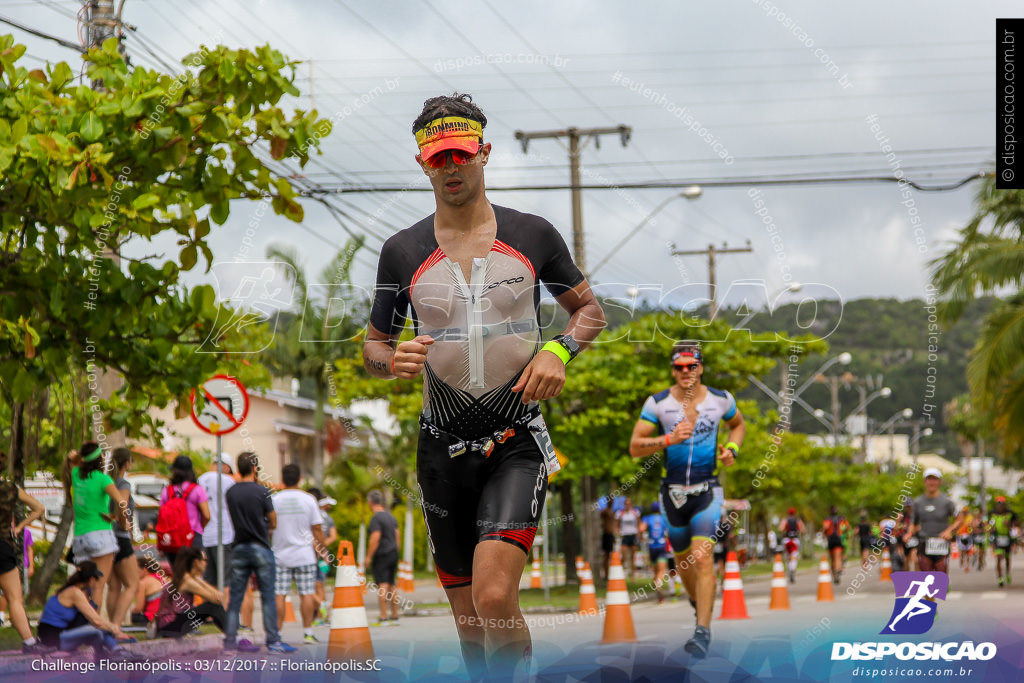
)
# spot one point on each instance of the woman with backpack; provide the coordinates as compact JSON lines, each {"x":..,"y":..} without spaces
{"x":184,"y":511}
{"x":93,"y":493}
{"x":178,"y":615}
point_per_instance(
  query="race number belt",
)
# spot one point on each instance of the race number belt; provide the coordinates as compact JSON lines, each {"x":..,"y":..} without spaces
{"x":936,"y":546}
{"x":1003,"y":541}
{"x":678,"y":493}
{"x":484,"y":444}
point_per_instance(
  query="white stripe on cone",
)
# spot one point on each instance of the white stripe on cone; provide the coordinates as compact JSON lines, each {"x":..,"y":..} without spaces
{"x":615,"y":572}
{"x":348,"y":617}
{"x":347,"y":575}
{"x":616,"y":598}
{"x":779,"y":583}
{"x":777,"y":567}
{"x":732,"y":566}
{"x":589,"y":588}
{"x":732,"y":585}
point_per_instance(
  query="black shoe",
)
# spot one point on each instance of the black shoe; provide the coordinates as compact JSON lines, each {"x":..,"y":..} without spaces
{"x":698,"y":645}
{"x":37,"y":649}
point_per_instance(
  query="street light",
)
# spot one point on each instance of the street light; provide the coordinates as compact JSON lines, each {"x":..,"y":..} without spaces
{"x":843,"y":359}
{"x":890,"y":424}
{"x":792,"y":288}
{"x":692,"y":192}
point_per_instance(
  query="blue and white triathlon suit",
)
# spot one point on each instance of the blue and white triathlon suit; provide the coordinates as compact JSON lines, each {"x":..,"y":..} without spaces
{"x":691,"y":498}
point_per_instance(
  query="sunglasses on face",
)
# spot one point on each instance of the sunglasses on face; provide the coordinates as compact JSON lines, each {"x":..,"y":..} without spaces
{"x":459,"y":158}
{"x":684,"y":367}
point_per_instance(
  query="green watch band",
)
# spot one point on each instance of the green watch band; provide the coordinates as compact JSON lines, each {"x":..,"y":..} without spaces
{"x":559,"y":350}
{"x":734,"y":447}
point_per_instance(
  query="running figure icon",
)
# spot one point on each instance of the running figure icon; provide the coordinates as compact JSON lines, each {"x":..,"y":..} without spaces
{"x":916,"y":604}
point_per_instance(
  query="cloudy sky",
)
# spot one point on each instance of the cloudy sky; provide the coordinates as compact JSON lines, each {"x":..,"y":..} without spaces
{"x":782,"y":91}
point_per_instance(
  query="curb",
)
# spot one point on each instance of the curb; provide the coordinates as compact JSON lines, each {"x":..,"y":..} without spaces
{"x":13,"y":662}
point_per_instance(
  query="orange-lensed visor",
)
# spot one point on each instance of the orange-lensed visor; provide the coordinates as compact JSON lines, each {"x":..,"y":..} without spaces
{"x":449,"y":132}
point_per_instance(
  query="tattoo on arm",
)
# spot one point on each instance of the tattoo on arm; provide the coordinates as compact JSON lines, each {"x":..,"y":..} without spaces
{"x":381,"y":365}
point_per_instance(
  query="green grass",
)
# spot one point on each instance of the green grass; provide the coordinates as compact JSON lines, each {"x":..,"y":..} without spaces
{"x":9,"y":639}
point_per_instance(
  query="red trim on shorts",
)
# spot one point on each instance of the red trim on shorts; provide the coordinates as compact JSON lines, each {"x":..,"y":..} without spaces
{"x":452,"y":580}
{"x":503,"y":248}
{"x":523,"y":538}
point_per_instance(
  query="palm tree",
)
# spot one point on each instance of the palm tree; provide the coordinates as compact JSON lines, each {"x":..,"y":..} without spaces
{"x":988,"y":259}
{"x":328,"y":319}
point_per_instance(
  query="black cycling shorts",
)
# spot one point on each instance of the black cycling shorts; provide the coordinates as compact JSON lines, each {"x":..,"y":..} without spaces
{"x":124,"y":548}
{"x":473,"y":497}
{"x":8,"y":557}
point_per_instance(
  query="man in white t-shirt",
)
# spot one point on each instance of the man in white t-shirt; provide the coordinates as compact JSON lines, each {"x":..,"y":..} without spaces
{"x":218,"y":511}
{"x":299,"y":530}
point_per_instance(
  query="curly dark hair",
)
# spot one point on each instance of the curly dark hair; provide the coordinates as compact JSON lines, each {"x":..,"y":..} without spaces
{"x":456,"y":104}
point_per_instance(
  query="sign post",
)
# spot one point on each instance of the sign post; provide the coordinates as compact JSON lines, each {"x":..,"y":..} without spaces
{"x":220,"y":407}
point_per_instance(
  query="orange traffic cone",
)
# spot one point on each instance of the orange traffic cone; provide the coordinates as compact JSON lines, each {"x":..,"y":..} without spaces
{"x":824,"y":581}
{"x":956,"y":551}
{"x":405,"y":581}
{"x":579,"y":564}
{"x":885,"y":574}
{"x":734,"y":606}
{"x":289,"y":611}
{"x":618,"y":619}
{"x":535,"y":581}
{"x":588,"y":598}
{"x":780,"y":594}
{"x":350,"y":632}
{"x":362,"y":578}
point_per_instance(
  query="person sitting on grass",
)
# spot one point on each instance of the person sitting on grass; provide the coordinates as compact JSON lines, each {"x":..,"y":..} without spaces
{"x":178,"y":616}
{"x":70,"y":618}
{"x":151,"y":587}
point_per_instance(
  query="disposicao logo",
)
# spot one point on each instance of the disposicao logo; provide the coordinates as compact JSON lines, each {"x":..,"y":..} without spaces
{"x":916,"y":593}
{"x":913,"y":614}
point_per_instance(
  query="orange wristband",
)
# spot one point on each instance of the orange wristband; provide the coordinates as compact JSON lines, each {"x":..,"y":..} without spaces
{"x":668,"y":442}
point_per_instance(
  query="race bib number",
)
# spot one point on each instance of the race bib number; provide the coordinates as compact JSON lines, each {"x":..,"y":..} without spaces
{"x":936,"y":546}
{"x":1002,"y":541}
{"x":539,"y":429}
{"x":913,"y":542}
{"x":678,"y":493}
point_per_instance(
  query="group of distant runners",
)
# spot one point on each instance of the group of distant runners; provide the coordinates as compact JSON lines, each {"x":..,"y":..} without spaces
{"x":921,"y":538}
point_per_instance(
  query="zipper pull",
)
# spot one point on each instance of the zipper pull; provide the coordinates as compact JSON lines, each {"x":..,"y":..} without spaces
{"x":472,"y":298}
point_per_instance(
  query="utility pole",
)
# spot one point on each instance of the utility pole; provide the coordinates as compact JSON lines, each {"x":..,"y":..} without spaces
{"x":574,"y":135}
{"x":101,"y":23}
{"x":588,"y":487}
{"x":711,"y":251}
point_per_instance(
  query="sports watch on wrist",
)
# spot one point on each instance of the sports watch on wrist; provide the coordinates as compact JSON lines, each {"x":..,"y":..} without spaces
{"x":567,"y":343}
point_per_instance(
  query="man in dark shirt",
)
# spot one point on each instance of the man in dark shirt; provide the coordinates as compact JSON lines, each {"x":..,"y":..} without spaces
{"x":382,"y":556}
{"x":252,"y":515}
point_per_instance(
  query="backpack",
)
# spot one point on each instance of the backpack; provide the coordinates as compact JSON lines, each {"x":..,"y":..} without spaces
{"x":173,"y":530}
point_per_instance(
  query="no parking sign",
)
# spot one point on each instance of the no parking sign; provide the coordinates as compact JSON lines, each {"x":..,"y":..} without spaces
{"x":220,"y":406}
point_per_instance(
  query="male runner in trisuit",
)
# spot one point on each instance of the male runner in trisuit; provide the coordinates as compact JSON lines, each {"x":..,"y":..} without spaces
{"x":683,"y":421}
{"x":1001,"y":521}
{"x":932,"y":512}
{"x":792,"y":528}
{"x":470,"y":276}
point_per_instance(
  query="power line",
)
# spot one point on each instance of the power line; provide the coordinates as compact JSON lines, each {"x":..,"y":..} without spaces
{"x":675,"y":184}
{"x":41,"y":34}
